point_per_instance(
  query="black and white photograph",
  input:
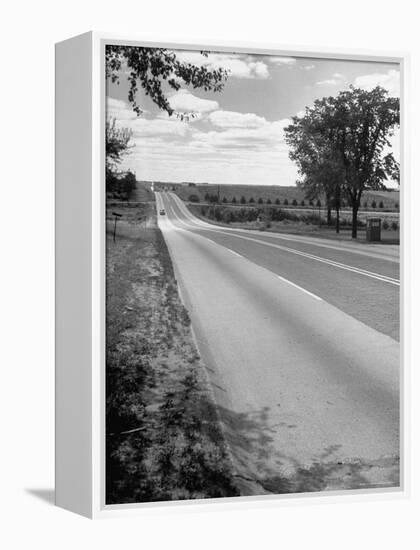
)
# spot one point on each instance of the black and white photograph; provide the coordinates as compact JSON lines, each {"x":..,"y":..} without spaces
{"x":252,"y":274}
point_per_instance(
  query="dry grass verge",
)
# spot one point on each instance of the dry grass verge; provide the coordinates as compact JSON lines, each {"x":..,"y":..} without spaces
{"x":163,"y":438}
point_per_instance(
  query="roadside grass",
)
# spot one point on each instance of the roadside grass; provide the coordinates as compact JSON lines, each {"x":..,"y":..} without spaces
{"x":164,"y":441}
{"x":304,"y":222}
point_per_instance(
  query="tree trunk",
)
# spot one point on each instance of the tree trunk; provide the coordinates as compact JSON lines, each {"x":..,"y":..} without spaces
{"x":328,"y":214}
{"x":337,"y":220}
{"x":354,"y":221}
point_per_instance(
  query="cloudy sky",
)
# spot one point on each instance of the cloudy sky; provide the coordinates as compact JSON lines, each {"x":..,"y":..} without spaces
{"x":237,"y":134}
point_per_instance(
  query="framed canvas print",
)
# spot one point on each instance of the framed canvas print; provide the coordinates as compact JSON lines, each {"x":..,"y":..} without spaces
{"x":229,"y":222}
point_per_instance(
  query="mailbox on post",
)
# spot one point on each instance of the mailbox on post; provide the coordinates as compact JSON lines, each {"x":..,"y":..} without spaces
{"x":373,"y":229}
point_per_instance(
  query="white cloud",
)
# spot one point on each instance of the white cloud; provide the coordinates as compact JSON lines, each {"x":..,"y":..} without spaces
{"x":329,"y":82}
{"x":230,"y":119}
{"x":184,"y":101}
{"x":238,"y":66}
{"x":119,"y":109}
{"x":390,"y":81}
{"x":259,"y":68}
{"x":336,"y":80}
{"x":282,"y":60}
{"x":158,"y":127}
{"x":267,"y":136}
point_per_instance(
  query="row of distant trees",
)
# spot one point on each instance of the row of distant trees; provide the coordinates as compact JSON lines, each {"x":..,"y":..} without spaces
{"x":212,"y":198}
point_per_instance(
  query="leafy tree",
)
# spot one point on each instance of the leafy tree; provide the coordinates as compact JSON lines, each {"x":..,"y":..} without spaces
{"x":340,"y":145}
{"x":116,"y":144}
{"x":252,"y":200}
{"x":224,"y":199}
{"x":234,"y":200}
{"x":243,"y":200}
{"x":268,"y":201}
{"x":318,"y":203}
{"x":118,"y":184}
{"x":260,"y":201}
{"x":381,"y":204}
{"x":156,"y":71}
{"x":277,"y":201}
{"x":286,"y":202}
{"x":294,"y":202}
{"x":373,"y":204}
{"x":302,"y":202}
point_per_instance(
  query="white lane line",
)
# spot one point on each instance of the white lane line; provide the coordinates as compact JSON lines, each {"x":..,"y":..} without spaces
{"x":300,"y":288}
{"x":171,"y":209}
{"x":359,"y":271}
{"x":295,"y":239}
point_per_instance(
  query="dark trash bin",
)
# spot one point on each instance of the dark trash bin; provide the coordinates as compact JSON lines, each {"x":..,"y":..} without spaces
{"x":373,"y":229}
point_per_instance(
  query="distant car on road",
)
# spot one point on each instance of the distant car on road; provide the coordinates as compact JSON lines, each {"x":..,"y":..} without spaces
{"x":162,"y":212}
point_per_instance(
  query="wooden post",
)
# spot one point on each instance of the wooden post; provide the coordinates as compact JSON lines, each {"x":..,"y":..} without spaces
{"x":116,"y":216}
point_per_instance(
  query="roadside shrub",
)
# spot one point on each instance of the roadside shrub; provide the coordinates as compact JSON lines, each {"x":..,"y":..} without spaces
{"x":381,"y":204}
{"x":243,"y":200}
{"x":365,"y":204}
{"x":268,"y":201}
{"x":311,"y":203}
{"x":302,"y":202}
{"x":394,"y":225}
{"x":234,"y":200}
{"x":373,"y":204}
{"x":294,"y":202}
{"x":194,"y":198}
{"x":397,"y":205}
{"x":252,"y":200}
{"x":286,"y":202}
{"x":207,"y":197}
{"x":224,"y":200}
{"x":252,"y":214}
{"x":227,"y":216}
{"x":318,"y":203}
{"x":385,"y":225}
{"x":277,"y":201}
{"x":260,"y":201}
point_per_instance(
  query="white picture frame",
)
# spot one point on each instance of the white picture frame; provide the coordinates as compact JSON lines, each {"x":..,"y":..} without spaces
{"x":80,"y":275}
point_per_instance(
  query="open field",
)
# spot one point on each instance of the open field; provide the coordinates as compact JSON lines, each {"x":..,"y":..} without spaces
{"x":390,"y":199}
{"x":164,"y":439}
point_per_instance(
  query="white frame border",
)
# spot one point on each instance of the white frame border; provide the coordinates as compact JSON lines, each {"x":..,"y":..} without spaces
{"x":99,"y":508}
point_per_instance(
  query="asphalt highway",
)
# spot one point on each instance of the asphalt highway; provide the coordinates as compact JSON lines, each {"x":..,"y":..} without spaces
{"x":300,"y":341}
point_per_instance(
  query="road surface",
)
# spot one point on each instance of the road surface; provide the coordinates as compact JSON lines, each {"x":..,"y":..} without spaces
{"x":300,"y":341}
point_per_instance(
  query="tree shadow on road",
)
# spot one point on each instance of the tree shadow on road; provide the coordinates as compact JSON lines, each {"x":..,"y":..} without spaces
{"x":261,"y":468}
